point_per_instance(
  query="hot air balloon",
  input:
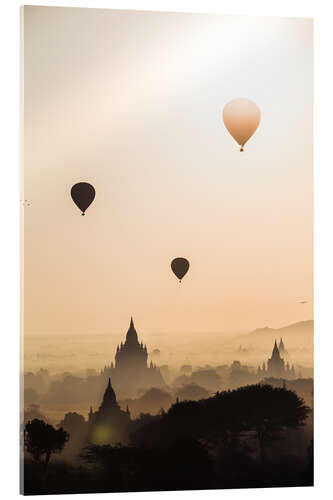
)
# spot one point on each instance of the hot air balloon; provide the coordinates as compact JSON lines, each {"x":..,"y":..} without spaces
{"x":180,"y":266}
{"x":241,"y":118}
{"x":83,"y":195}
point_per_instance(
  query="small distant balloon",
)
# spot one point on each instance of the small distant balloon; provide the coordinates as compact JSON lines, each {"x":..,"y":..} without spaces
{"x":83,"y":194}
{"x":180,"y":266}
{"x":241,"y":118}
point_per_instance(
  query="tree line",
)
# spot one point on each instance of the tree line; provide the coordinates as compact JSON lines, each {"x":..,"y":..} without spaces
{"x":195,"y":444}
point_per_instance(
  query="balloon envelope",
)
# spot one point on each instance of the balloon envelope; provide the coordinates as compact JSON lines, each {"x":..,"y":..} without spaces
{"x":241,"y":117}
{"x":180,"y":266}
{"x":83,"y":195}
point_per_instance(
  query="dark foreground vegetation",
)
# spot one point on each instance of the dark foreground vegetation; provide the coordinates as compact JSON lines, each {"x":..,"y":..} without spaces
{"x":237,"y":439}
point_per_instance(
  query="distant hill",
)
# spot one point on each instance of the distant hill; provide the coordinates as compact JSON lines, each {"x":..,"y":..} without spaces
{"x":297,"y":338}
{"x":302,"y":327}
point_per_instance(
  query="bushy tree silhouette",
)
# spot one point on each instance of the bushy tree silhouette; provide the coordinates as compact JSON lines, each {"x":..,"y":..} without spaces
{"x":72,"y":422}
{"x":183,"y":465}
{"x":260,"y":409}
{"x":41,"y":439}
{"x":78,"y":429}
{"x":266,"y":410}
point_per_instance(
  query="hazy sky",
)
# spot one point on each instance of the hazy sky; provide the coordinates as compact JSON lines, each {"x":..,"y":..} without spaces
{"x":131,"y":102}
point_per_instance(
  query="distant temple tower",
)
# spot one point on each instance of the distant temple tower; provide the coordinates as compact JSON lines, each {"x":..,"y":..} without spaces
{"x":276,"y":366}
{"x":282,"y":349}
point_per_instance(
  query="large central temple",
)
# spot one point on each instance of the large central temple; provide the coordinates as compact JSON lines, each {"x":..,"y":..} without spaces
{"x":131,"y":355}
{"x":130,"y":371}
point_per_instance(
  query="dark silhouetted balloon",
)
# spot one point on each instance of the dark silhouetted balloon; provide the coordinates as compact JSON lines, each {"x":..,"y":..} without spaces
{"x":180,"y":266}
{"x":83,"y":194}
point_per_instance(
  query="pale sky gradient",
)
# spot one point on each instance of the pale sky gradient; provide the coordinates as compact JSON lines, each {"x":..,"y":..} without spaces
{"x":131,"y":102}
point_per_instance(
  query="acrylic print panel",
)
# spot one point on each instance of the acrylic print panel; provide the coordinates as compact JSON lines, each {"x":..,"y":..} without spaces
{"x":167,"y":211}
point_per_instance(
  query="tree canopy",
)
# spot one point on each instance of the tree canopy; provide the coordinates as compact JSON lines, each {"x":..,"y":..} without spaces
{"x":263,"y":409}
{"x":43,"y":439}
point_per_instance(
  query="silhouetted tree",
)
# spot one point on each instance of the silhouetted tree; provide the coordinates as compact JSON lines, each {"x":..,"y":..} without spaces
{"x":33,"y":411}
{"x":119,"y":468}
{"x":187,"y":465}
{"x":184,"y":464}
{"x":266,"y":410}
{"x":259,"y":409}
{"x":78,"y":429}
{"x":43,"y":439}
{"x":72,"y":422}
{"x":145,"y":431}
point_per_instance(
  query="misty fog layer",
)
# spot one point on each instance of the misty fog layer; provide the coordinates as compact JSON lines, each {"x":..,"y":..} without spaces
{"x":84,"y":357}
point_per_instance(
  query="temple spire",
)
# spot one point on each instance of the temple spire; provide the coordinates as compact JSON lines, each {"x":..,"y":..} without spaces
{"x":281,"y":347}
{"x":131,"y":335}
{"x":275,"y":350}
{"x":109,"y":398}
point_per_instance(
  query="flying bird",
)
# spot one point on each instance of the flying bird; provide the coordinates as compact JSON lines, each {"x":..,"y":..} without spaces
{"x":25,"y":203}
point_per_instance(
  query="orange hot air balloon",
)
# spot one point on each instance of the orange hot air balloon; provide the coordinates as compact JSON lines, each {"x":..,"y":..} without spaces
{"x":241,"y":118}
